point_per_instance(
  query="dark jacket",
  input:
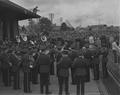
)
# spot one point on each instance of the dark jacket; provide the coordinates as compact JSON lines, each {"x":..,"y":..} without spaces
{"x":51,"y":54}
{"x":27,"y":62}
{"x":80,"y":65}
{"x":73,"y":55}
{"x":58,"y":56}
{"x":15,"y":62}
{"x":63,"y":66}
{"x":4,"y":58}
{"x":104,"y":51}
{"x":44,"y":63}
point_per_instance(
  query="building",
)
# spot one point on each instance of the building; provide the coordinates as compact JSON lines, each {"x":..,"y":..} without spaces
{"x":56,"y":27}
{"x":10,"y":14}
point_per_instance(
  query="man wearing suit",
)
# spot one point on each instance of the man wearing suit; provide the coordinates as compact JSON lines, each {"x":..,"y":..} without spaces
{"x":104,"y":52}
{"x":35,"y":69}
{"x":63,"y":72}
{"x":44,"y":70}
{"x":80,"y":73}
{"x":72,"y":55}
{"x":15,"y":60}
{"x":27,"y":63}
{"x":6,"y":66}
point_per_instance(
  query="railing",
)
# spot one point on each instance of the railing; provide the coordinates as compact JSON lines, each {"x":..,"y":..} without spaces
{"x":114,"y":67}
{"x":118,"y":58}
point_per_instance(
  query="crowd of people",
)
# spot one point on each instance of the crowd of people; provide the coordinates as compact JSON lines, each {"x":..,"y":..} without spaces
{"x":32,"y":60}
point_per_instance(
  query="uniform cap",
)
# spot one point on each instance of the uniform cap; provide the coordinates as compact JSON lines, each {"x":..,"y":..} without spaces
{"x":65,"y":52}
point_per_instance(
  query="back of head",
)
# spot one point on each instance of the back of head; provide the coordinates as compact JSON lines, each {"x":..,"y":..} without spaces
{"x":65,"y":53}
{"x":46,"y":52}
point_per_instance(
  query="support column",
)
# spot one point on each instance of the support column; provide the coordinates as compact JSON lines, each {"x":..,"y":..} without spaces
{"x":1,"y":29}
{"x":13,"y":29}
{"x":4,"y":30}
{"x":8,"y":29}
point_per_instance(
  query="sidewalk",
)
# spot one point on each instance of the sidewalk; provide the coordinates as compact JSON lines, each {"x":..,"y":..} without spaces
{"x":91,"y":88}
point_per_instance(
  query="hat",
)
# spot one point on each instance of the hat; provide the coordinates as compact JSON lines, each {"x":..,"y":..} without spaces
{"x":59,"y":47}
{"x":65,"y":52}
{"x":24,"y":51}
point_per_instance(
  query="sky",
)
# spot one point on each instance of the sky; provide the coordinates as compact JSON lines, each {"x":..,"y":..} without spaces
{"x":77,"y":12}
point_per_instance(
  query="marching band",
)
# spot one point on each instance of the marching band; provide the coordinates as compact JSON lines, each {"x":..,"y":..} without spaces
{"x":31,"y":58}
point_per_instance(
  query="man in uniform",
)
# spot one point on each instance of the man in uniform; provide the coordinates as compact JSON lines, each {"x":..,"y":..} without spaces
{"x":63,"y":72}
{"x":44,"y":69}
{"x":15,"y":60}
{"x":104,"y":52}
{"x":94,"y":53}
{"x":80,"y":72}
{"x":87,"y":56}
{"x":27,"y":63}
{"x":52,"y":60}
{"x":95,"y":63}
{"x":6,"y":67}
{"x":35,"y":68}
{"x":72,"y":54}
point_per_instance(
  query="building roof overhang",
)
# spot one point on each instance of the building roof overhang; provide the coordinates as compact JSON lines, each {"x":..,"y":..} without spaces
{"x":10,"y":9}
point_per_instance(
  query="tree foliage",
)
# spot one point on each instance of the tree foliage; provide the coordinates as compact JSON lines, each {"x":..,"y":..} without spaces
{"x":45,"y":25}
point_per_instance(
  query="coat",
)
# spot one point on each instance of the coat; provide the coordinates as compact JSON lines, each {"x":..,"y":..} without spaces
{"x":44,"y":63}
{"x":58,"y":56}
{"x":51,"y":54}
{"x":15,"y":60}
{"x":80,"y":65}
{"x":72,"y":55}
{"x":4,"y":58}
{"x":63,"y":66}
{"x":27,"y":62}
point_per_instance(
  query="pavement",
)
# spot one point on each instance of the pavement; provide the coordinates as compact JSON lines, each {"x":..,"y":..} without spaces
{"x":91,"y":88}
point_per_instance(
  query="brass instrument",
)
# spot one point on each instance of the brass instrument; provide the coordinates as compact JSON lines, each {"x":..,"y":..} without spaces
{"x":43,"y":38}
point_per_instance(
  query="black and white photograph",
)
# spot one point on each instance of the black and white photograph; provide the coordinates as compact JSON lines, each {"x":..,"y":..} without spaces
{"x":59,"y":47}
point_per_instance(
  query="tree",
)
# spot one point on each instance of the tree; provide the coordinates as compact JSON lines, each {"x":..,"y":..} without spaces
{"x":45,"y":25}
{"x":64,"y":26}
{"x":31,"y":26}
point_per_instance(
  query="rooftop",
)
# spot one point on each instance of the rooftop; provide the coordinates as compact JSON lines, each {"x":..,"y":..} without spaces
{"x":11,"y":9}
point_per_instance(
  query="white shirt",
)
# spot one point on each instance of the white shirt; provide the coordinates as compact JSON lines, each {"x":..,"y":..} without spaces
{"x":115,"y":46}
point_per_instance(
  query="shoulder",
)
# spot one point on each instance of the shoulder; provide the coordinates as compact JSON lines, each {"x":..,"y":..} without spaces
{"x":77,"y":60}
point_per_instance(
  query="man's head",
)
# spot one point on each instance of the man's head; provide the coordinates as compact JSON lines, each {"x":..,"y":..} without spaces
{"x":65,"y":53}
{"x":45,"y":51}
